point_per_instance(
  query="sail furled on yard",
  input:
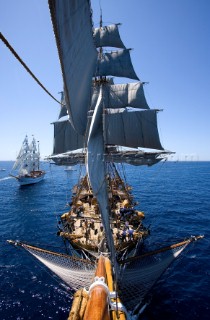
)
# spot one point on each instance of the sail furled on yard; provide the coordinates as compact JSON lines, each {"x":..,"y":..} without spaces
{"x":73,"y":30}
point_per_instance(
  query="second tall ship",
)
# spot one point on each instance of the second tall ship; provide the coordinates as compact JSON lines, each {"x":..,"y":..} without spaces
{"x":26,"y":169}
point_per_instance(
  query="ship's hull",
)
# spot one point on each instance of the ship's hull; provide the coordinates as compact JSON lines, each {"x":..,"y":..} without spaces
{"x":32,"y":178}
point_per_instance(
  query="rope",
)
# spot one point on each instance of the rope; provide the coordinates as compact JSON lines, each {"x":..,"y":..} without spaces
{"x":4,"y":40}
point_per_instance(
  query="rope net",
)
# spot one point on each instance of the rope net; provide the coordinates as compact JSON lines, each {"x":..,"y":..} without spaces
{"x":75,"y":272}
{"x":138,"y":276}
{"x":135,"y":275}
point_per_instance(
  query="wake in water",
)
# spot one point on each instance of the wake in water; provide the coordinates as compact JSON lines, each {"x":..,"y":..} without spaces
{"x":5,"y":178}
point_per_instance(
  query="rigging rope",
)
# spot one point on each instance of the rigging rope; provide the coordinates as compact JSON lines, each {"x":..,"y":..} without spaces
{"x":4,"y":40}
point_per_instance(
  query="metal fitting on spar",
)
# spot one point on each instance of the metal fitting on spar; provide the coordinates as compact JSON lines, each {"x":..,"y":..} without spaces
{"x":98,"y":281}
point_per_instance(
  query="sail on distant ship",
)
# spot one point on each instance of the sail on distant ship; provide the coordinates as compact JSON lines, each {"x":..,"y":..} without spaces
{"x":28,"y":164}
{"x":103,"y":124}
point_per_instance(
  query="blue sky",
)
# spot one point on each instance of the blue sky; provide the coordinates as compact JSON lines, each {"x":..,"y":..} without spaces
{"x":171,"y":41}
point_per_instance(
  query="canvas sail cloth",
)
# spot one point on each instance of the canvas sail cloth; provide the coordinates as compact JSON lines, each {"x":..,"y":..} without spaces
{"x":108,"y":36}
{"x":121,"y":96}
{"x":34,"y":165}
{"x":106,"y":128}
{"x":96,"y":170}
{"x":73,"y":30}
{"x":65,"y":136}
{"x":118,"y":96}
{"x":117,"y":63}
{"x":23,"y":161}
{"x":115,"y":96}
{"x":22,"y":155}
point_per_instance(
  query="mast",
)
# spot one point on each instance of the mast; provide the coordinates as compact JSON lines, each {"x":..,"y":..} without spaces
{"x":101,"y":25}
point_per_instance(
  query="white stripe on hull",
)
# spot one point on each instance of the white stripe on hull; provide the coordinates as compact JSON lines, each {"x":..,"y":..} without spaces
{"x":30,"y":180}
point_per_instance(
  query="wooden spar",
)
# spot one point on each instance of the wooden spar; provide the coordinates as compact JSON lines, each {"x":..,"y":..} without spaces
{"x":79,"y":305}
{"x":24,"y":245}
{"x":97,"y":306}
{"x":173,"y":246}
{"x":116,"y":315}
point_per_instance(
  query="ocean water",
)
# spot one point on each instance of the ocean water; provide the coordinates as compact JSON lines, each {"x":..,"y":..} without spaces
{"x":176,"y":200}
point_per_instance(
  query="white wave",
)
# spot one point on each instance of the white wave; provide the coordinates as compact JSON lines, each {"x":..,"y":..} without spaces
{"x":5,"y":178}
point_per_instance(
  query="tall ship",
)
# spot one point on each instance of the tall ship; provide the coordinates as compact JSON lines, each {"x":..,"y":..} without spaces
{"x":103,"y":125}
{"x":26,"y":169}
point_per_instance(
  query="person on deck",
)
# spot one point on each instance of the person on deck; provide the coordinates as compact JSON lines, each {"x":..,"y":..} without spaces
{"x":124,"y":235}
{"x":130,"y":234}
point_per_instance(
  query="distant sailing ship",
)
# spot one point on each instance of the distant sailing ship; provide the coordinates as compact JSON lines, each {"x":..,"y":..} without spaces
{"x":97,"y":119}
{"x":28,"y":164}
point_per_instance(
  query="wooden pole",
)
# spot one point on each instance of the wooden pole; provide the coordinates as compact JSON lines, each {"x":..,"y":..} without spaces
{"x":97,"y":306}
{"x":116,"y":315}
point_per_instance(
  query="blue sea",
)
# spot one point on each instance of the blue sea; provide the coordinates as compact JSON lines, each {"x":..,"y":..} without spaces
{"x":175,"y":197}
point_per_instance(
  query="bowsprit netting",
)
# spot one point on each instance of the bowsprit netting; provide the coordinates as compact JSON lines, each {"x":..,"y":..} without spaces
{"x":75,"y":272}
{"x":135,"y":275}
{"x":139,"y":275}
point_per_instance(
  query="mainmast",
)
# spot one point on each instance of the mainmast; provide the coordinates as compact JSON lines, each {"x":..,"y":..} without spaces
{"x":100,"y":79}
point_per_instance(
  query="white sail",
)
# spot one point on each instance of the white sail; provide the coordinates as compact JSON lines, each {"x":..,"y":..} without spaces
{"x":27,"y":164}
{"x":22,"y":159}
{"x":34,"y":161}
{"x":121,"y":96}
{"x":108,"y":36}
{"x":77,"y":54}
{"x":18,"y":159}
{"x":117,"y":64}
